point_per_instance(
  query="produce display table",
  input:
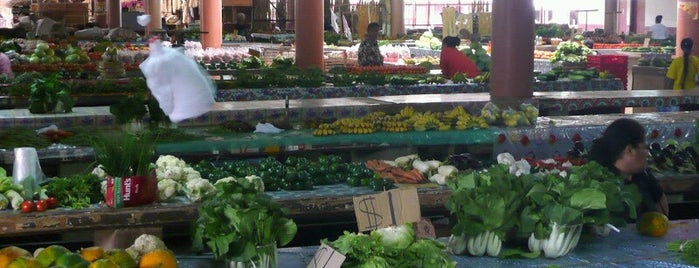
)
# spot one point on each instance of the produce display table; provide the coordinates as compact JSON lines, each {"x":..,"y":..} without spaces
{"x":323,"y":204}
{"x":624,"y":249}
{"x":649,"y":77}
{"x":679,"y":126}
{"x":247,"y":94}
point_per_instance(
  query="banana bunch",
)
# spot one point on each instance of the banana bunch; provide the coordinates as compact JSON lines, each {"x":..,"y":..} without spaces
{"x":325,"y":130}
{"x":426,"y":121}
{"x":374,"y":116}
{"x":455,"y":113}
{"x":468,"y":122}
{"x":407,"y":112}
{"x":354,"y":126}
{"x":484,"y":77}
{"x":395,"y":126}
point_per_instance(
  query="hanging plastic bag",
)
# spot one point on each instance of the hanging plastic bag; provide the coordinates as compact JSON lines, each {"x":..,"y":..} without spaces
{"x":180,"y":85}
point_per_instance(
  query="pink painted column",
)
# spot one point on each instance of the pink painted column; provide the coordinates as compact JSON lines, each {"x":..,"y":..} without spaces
{"x":397,"y":18}
{"x":309,"y":33}
{"x":611,"y":16}
{"x":211,"y":23}
{"x":687,"y":24}
{"x":640,"y":17}
{"x":153,"y":9}
{"x":512,"y":50}
{"x":113,"y":14}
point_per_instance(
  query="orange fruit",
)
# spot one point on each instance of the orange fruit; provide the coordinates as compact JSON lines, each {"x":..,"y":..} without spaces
{"x":653,"y":224}
{"x":103,"y":263}
{"x":9,"y":254}
{"x":92,"y":254}
{"x":159,"y":258}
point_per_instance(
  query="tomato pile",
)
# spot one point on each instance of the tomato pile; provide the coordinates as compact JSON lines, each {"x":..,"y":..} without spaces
{"x":614,"y":46}
{"x":39,"y":205}
{"x":387,"y":69}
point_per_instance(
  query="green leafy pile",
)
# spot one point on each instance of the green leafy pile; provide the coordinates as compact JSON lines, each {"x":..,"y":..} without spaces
{"x":479,"y":56}
{"x":689,"y":250}
{"x":77,"y":191}
{"x":237,"y":219}
{"x":391,"y":247}
{"x":571,"y":52}
{"x":589,"y":194}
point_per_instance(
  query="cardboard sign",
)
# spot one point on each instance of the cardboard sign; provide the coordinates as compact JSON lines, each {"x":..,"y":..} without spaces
{"x":424,"y":229}
{"x":386,"y":209}
{"x":253,"y":52}
{"x":326,"y":257}
{"x":646,"y":42}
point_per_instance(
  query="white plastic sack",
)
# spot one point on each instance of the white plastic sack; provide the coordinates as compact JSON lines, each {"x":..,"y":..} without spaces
{"x":180,"y":85}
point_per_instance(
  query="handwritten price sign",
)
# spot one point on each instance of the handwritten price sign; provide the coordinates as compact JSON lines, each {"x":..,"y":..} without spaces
{"x":326,"y":257}
{"x":389,"y":208}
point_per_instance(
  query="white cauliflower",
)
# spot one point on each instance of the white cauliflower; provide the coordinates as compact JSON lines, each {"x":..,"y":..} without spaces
{"x":226,"y":180}
{"x":147,"y":243}
{"x":506,"y":158}
{"x":169,"y":161}
{"x":190,"y":174}
{"x":197,"y":189}
{"x":99,"y":172}
{"x":254,"y":179}
{"x":167,"y":189}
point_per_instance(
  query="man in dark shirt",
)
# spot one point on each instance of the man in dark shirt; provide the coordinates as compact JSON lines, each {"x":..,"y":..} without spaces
{"x":369,"y":53}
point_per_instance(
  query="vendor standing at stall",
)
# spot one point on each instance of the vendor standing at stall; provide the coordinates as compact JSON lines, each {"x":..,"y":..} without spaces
{"x":453,"y":61}
{"x":6,"y":66}
{"x":683,"y":70}
{"x":658,"y":31}
{"x":623,"y":150}
{"x":369,"y":53}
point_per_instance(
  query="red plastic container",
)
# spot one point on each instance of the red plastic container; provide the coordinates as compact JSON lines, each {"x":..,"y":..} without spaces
{"x":618,"y":65}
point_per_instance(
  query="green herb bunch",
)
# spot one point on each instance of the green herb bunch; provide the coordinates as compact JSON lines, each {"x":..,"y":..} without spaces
{"x":128,"y":155}
{"x":49,"y":94}
{"x":237,"y":219}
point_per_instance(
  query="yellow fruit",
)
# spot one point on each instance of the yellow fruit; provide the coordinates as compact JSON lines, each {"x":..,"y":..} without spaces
{"x":72,"y":260}
{"x":653,"y":224}
{"x":92,"y":254}
{"x":9,"y":254}
{"x":25,"y":262}
{"x":50,"y":254}
{"x":103,"y":263}
{"x":159,"y":258}
{"x":121,"y":258}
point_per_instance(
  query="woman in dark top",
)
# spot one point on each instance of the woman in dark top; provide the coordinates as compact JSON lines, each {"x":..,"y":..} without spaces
{"x":622,"y":148}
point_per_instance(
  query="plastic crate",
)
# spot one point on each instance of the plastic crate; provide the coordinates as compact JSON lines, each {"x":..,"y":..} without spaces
{"x":604,"y":60}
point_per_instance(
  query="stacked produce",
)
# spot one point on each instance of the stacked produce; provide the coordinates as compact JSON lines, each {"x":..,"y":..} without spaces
{"x":395,"y":246}
{"x":295,"y":173}
{"x":406,"y":120}
{"x":526,"y":115}
{"x":550,"y":208}
{"x":571,"y":52}
{"x":24,"y":198}
{"x":673,"y":157}
{"x":147,"y":251}
{"x":427,"y":40}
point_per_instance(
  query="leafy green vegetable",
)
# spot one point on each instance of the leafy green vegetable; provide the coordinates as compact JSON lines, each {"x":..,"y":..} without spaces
{"x":78,"y":191}
{"x":689,"y":250}
{"x":382,"y":248}
{"x":486,"y":201}
{"x":237,"y":219}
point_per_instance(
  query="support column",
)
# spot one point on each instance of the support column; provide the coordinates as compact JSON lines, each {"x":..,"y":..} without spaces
{"x":113,"y":14}
{"x":309,"y":33}
{"x":397,"y":18}
{"x":100,"y":12}
{"x":211,"y":23}
{"x":153,"y":9}
{"x":511,"y":73}
{"x":639,"y":16}
{"x":687,"y":24}
{"x":610,"y":16}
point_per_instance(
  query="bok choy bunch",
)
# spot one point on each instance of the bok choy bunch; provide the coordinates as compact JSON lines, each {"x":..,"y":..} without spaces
{"x":556,"y":207}
{"x":484,"y":206}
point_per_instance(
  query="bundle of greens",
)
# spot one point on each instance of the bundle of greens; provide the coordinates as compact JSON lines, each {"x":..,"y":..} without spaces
{"x":485,"y":207}
{"x":391,"y":247}
{"x":589,"y":194}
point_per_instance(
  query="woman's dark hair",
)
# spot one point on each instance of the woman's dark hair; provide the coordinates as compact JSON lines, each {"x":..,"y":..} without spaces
{"x":451,"y":41}
{"x":619,"y":134}
{"x":373,"y":26}
{"x":686,"y":46}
